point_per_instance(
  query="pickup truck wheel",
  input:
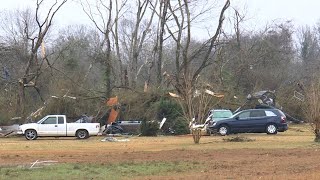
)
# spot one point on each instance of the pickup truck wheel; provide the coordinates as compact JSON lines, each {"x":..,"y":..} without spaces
{"x":31,"y":134}
{"x":82,"y":134}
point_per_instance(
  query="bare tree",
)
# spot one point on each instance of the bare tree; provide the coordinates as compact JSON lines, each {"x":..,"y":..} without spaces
{"x":115,"y":33}
{"x":106,"y":19}
{"x":157,"y":50}
{"x":138,"y":37}
{"x":33,"y":68}
{"x":104,"y":24}
{"x":163,"y":18}
{"x":312,"y":110}
{"x":309,"y":51}
{"x":15,"y":33}
{"x":186,"y":74}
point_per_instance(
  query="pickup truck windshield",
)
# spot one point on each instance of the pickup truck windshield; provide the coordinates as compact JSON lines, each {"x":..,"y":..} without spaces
{"x":48,"y":120}
{"x":51,"y":120}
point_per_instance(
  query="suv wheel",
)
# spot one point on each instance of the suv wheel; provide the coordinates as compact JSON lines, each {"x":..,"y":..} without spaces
{"x":271,"y":129}
{"x":223,"y":130}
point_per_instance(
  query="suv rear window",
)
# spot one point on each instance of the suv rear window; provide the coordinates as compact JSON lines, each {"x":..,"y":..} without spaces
{"x":270,"y":113}
{"x":257,"y":113}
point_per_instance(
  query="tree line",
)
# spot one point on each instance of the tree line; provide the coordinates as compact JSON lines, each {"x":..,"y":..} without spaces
{"x":150,"y":46}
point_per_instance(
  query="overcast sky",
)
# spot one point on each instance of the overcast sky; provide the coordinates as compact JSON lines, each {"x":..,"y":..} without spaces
{"x":258,"y":12}
{"x":265,"y":11}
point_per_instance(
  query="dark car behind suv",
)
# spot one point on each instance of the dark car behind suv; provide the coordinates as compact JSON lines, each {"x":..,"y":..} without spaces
{"x":268,"y":121}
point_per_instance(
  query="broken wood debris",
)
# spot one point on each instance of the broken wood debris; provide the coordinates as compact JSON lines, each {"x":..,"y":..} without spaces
{"x":40,"y":164}
{"x":112,"y":139}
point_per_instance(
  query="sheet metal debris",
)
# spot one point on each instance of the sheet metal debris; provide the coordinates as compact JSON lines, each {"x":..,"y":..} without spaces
{"x":40,"y":164}
{"x":6,"y":131}
{"x":113,"y":139}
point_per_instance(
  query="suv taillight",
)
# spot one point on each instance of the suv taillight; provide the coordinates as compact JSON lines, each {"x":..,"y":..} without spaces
{"x":283,"y":119}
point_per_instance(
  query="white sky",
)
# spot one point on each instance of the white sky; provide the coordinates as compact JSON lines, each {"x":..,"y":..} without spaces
{"x":301,"y":12}
{"x":258,"y":12}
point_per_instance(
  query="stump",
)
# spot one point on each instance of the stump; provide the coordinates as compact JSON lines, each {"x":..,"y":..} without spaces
{"x":196,"y":134}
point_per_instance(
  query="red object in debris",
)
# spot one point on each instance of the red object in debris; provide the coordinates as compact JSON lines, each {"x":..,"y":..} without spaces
{"x":113,"y":116}
{"x":112,"y":101}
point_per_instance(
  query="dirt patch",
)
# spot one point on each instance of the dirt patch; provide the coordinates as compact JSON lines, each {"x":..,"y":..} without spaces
{"x":268,"y":157}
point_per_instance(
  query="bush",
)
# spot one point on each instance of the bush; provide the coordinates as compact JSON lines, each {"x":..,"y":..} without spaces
{"x":71,"y":108}
{"x":238,"y":139}
{"x":138,"y":105}
{"x":181,"y":126}
{"x":172,"y":111}
{"x":4,"y":120}
{"x":149,"y":128}
{"x":169,"y":109}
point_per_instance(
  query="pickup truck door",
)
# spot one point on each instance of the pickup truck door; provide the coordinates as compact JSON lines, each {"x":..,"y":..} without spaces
{"x":48,"y":127}
{"x":62,"y":126}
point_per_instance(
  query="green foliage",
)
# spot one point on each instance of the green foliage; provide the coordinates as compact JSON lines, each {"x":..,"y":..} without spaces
{"x":149,"y":128}
{"x":181,"y":126}
{"x":173,"y":112}
{"x":72,"y":108}
{"x":71,"y":63}
{"x":238,"y":139}
{"x":60,"y":106}
{"x":138,"y":105}
{"x":149,"y":106}
{"x":169,"y":109}
{"x":4,"y":120}
{"x":97,"y":171}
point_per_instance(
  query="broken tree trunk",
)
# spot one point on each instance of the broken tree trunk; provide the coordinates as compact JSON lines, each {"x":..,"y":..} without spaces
{"x":196,"y":134}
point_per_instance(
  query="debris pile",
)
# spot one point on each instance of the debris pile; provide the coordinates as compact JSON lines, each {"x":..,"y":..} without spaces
{"x":40,"y":164}
{"x":113,"y":139}
{"x":6,"y":131}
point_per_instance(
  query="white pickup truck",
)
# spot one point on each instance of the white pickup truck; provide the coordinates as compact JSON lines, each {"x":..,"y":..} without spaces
{"x":56,"y":126}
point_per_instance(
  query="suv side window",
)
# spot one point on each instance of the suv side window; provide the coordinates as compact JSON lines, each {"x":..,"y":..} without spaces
{"x":257,"y":113}
{"x":244,"y":115}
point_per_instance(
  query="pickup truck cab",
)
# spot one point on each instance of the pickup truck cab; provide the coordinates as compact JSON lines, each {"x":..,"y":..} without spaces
{"x":57,"y":126}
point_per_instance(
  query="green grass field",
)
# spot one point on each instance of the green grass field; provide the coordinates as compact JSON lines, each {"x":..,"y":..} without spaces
{"x":96,"y":171}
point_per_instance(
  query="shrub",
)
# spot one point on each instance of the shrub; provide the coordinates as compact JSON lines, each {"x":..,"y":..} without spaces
{"x":60,"y":106}
{"x":169,"y":109}
{"x":181,"y":126}
{"x":149,"y":128}
{"x":172,"y":111}
{"x":4,"y":120}
{"x":238,"y":139}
